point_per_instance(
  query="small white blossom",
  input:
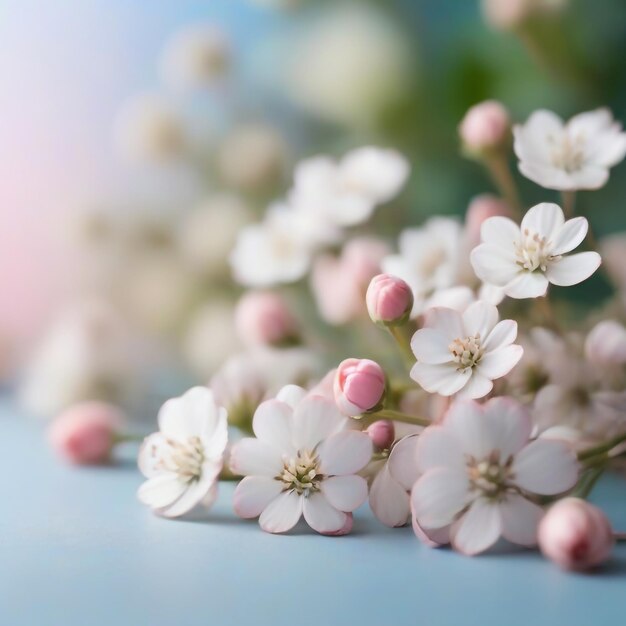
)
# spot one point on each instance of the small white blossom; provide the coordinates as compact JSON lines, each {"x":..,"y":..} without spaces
{"x":303,"y":461}
{"x":182,"y":461}
{"x":571,"y":156}
{"x":524,"y":260}
{"x":346,"y":192}
{"x":429,"y":258}
{"x":478,"y":469}
{"x":464,"y":352}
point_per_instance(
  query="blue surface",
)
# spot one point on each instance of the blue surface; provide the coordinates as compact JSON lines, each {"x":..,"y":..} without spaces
{"x":77,"y":549}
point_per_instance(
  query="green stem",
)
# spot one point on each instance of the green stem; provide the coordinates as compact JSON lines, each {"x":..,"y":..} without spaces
{"x":568,"y":200}
{"x":127,"y":438}
{"x":503,"y":179}
{"x":603,"y":448}
{"x":398,"y":416}
{"x":403,"y":343}
{"x":588,"y":481}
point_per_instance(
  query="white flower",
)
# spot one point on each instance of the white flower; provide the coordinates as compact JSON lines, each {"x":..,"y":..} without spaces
{"x":182,"y":461}
{"x":195,"y":57}
{"x":346,"y":193}
{"x":278,"y":250}
{"x":479,"y":469}
{"x":464,"y":353}
{"x":429,"y":258}
{"x":524,"y":260}
{"x":303,"y":461}
{"x":575,"y":155}
{"x":389,"y":493}
{"x":606,"y":344}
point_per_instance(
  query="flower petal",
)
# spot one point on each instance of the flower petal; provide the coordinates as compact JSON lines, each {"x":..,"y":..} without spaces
{"x":192,"y":414}
{"x":520,"y":518}
{"x":499,"y":362}
{"x":493,"y":264}
{"x":465,"y":420}
{"x":403,"y":461}
{"x":315,"y":419}
{"x":478,"y":529}
{"x":544,"y":219}
{"x":251,"y":456}
{"x":546,"y":467}
{"x":444,"y":379}
{"x":345,"y":452}
{"x":215,"y":444}
{"x":477,"y":387}
{"x":435,"y":447}
{"x":196,"y":492}
{"x":570,"y":236}
{"x":162,"y":490}
{"x":527,"y":285}
{"x":509,"y":425}
{"x":253,"y":494}
{"x":480,"y":318}
{"x":389,"y":500}
{"x":445,"y":321}
{"x":503,"y":334}
{"x":431,"y":346}
{"x":345,"y":493}
{"x":432,"y":537}
{"x":321,"y":516}
{"x":272,"y":424}
{"x":500,"y":231}
{"x":282,"y":513}
{"x":573,"y":269}
{"x":438,"y":496}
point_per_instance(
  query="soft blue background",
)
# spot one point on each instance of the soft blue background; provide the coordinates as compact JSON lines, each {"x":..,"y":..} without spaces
{"x":77,"y":549}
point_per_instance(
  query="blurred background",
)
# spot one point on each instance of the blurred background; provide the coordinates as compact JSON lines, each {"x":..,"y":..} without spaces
{"x":137,"y":138}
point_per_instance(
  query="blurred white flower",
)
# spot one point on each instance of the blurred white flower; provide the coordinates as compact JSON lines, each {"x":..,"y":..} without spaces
{"x":457,"y":298}
{"x":464,"y":353}
{"x":210,"y":338}
{"x":252,"y":157}
{"x":346,"y":192}
{"x":571,"y":156}
{"x":511,"y":14}
{"x":208,"y":233}
{"x":606,"y":344}
{"x":428,"y":259}
{"x":182,"y":461}
{"x":148,"y":129}
{"x":195,"y":57}
{"x":613,"y":251}
{"x":279,"y":249}
{"x":524,"y":260}
{"x":479,"y":472}
{"x":351,"y":79}
{"x":88,"y":354}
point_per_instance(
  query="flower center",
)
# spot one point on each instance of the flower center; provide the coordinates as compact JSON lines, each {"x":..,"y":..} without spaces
{"x":302,"y":473}
{"x":533,"y":252}
{"x":490,"y":476}
{"x":466,"y":352}
{"x":184,"y":457}
{"x":568,"y":152}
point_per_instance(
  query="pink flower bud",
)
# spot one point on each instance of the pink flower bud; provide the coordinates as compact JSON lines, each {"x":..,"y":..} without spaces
{"x":389,"y":299}
{"x":485,"y":126}
{"x":85,"y":433}
{"x":359,"y":386}
{"x":606,"y":343}
{"x":262,"y":318}
{"x":382,"y":433}
{"x":575,"y":535}
{"x":481,"y":208}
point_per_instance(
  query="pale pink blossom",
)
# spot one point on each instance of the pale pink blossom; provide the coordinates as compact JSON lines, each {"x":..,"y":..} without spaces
{"x":486,"y":126}
{"x":264,"y":318}
{"x":302,"y":462}
{"x":525,"y":259}
{"x":462,"y":353}
{"x":389,"y":491}
{"x":382,"y":434}
{"x":359,"y":386}
{"x":478,"y":470}
{"x":606,"y":344}
{"x":389,"y":299}
{"x":182,"y":461}
{"x":339,"y":283}
{"x":85,"y":433}
{"x":575,"y":535}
